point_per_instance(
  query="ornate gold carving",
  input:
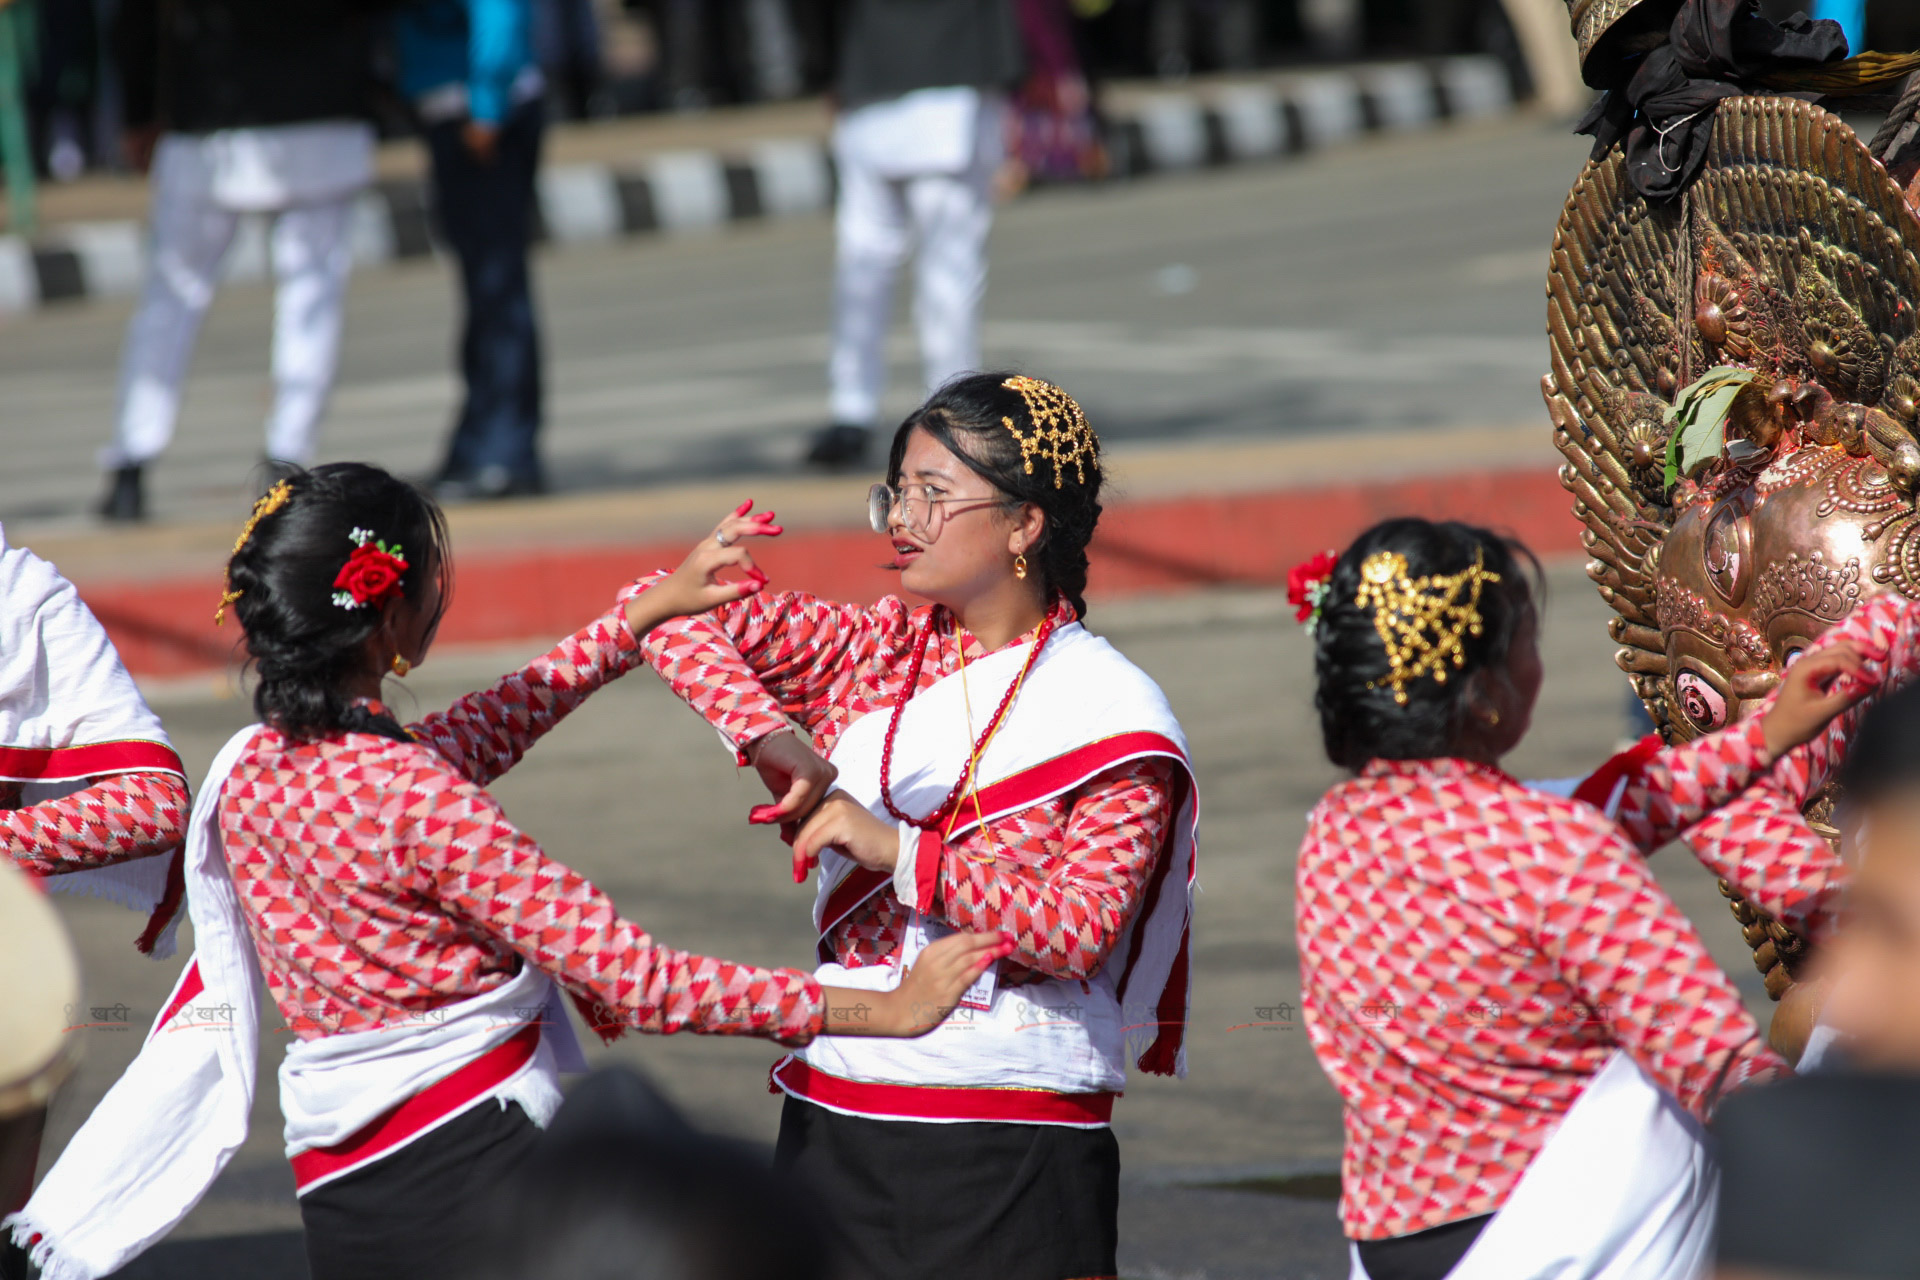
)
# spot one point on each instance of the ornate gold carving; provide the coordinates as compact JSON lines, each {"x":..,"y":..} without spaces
{"x":1680,"y":609}
{"x":1812,"y":586}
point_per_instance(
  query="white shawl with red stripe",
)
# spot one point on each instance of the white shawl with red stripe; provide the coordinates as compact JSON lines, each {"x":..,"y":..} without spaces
{"x":69,"y":712}
{"x":1083,"y":710}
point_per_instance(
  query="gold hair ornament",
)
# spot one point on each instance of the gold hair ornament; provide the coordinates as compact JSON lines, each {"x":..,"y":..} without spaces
{"x":270,"y":501}
{"x":1060,"y":432}
{"x":1423,"y":622}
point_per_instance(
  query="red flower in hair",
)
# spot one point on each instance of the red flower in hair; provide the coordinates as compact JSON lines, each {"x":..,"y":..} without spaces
{"x":1307,"y":586}
{"x":371,"y":575}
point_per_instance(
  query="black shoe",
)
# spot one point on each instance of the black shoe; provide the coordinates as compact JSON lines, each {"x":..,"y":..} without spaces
{"x":839,"y":446}
{"x":125,"y":501}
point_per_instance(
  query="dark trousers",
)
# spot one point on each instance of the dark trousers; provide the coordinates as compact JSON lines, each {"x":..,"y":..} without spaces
{"x":486,"y":210}
{"x":409,"y":1215}
{"x":975,"y":1201}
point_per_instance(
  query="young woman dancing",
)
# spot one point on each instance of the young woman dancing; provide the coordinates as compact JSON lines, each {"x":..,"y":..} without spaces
{"x":1517,"y":1017}
{"x":410,"y":934}
{"x":999,"y":768}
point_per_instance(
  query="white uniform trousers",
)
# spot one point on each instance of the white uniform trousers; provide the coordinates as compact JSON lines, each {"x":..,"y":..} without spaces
{"x":887,"y":209}
{"x":191,"y":230}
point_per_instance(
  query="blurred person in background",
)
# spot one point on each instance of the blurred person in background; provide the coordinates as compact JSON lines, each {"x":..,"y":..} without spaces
{"x":918,"y":142}
{"x":468,"y":67}
{"x":1849,"y":1133}
{"x":622,"y":1187}
{"x":237,"y":108}
{"x":1055,"y":133}
{"x":568,"y":37}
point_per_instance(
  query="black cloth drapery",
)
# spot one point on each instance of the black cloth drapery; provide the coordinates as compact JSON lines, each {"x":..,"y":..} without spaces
{"x":1661,"y":105}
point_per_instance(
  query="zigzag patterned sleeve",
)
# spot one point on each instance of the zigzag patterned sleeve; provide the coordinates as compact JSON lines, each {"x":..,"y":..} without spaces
{"x":115,"y":819}
{"x":1887,"y":630}
{"x":1637,"y":964}
{"x":748,"y":666}
{"x":452,"y":841}
{"x":1064,"y":896}
{"x":485,"y":734}
{"x":1683,"y":784}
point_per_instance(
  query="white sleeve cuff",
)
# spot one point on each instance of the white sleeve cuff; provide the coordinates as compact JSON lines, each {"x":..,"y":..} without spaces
{"x":906,"y":884}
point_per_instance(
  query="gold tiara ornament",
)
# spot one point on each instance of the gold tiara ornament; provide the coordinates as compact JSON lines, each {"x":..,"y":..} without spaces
{"x":270,"y":501}
{"x":1423,"y":622}
{"x":1059,"y":433}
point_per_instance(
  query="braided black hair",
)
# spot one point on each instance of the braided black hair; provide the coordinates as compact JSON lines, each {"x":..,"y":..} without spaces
{"x":303,"y":647}
{"x":1360,"y":720}
{"x":965,"y":417}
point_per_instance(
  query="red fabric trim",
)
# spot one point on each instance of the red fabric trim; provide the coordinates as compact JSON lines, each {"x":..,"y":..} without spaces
{"x":926,"y":869}
{"x":169,"y":904}
{"x":191,"y":985}
{"x":406,"y":1120}
{"x":941,"y":1102}
{"x":1600,"y":784}
{"x":1049,"y":778}
{"x":63,"y":764}
{"x":1164,"y":1051}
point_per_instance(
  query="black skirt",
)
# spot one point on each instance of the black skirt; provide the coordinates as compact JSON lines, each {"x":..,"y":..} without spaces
{"x":972,"y":1201}
{"x":413,"y":1214}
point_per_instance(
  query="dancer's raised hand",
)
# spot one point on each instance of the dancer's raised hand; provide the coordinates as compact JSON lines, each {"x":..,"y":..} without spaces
{"x":696,"y":586}
{"x":797,"y":777}
{"x":1814,"y":690}
{"x":940,"y":975}
{"x":843,"y":823}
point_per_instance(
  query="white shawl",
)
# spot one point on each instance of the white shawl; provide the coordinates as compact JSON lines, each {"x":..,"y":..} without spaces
{"x":69,"y":712}
{"x":167,"y":1128}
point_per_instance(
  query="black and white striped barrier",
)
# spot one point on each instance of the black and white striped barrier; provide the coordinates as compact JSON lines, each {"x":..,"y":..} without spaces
{"x":681,"y":191}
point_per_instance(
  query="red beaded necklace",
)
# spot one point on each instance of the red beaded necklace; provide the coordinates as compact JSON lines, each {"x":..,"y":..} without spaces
{"x":966,"y":772}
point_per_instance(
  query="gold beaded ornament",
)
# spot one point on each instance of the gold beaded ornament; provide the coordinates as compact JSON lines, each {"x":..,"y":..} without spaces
{"x":271,"y":501}
{"x":1060,"y":432}
{"x":1423,"y":622}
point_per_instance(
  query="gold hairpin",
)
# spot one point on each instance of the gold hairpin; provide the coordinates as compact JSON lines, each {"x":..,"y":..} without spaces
{"x":270,"y":501}
{"x":1060,"y":432}
{"x":1423,"y":622}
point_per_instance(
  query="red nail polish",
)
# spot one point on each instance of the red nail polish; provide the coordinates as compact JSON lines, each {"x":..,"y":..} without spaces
{"x":764,"y":813}
{"x":774,"y":528}
{"x":744,"y":507}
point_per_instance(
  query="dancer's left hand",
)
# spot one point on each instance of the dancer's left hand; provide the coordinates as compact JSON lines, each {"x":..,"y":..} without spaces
{"x":1814,"y":690}
{"x":841,"y":823}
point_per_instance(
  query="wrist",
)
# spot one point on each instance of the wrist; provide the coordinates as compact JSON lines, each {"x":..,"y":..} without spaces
{"x":751,"y":749}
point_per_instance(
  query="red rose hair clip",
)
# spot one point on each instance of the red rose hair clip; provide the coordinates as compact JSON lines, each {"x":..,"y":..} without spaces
{"x":371,"y":575}
{"x":1307,"y":588}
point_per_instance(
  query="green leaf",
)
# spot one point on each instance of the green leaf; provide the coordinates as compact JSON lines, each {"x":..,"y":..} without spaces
{"x":1698,"y":420}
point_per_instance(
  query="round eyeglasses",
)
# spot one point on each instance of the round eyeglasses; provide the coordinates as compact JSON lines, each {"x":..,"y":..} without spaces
{"x":916,"y":506}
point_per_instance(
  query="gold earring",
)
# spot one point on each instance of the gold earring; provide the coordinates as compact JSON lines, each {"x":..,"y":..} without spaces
{"x":1020,"y":567}
{"x":1493,"y":718}
{"x":401,"y":666}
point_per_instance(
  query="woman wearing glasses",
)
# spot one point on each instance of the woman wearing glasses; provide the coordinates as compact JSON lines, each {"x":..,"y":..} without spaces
{"x":998,"y":767}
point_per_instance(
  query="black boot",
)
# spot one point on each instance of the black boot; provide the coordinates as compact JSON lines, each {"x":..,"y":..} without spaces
{"x":839,"y":446}
{"x":125,"y":500}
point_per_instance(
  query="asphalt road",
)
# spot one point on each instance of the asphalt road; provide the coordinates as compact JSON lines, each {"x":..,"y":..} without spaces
{"x":1392,"y":283}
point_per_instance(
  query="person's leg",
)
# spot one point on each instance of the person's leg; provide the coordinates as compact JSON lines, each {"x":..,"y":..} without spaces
{"x":871,"y":239}
{"x":311,"y":262}
{"x":406,"y":1216}
{"x":952,"y":216}
{"x":487,"y":212}
{"x":188,"y":236}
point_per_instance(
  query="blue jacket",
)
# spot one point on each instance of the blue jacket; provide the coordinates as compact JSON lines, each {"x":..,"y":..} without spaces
{"x":483,"y":44}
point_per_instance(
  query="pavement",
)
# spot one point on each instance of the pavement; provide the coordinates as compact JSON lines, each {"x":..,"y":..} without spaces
{"x":1275,"y":356}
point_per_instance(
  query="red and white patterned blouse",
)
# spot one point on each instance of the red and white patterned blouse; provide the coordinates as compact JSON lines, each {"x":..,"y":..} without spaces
{"x":113,"y":819}
{"x":1064,"y":878}
{"x":1473,"y":951}
{"x":379,"y":879}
